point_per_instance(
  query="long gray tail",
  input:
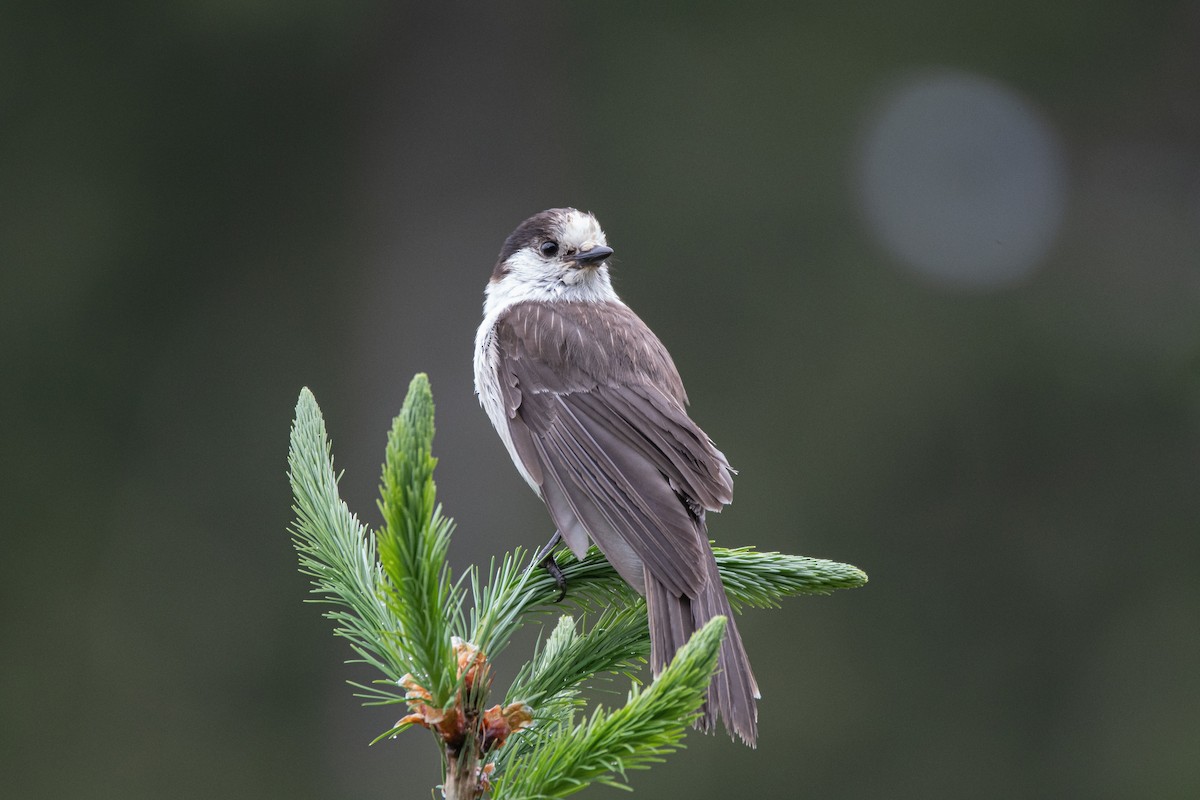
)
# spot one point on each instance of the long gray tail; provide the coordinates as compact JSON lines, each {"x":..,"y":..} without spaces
{"x":673,"y":619}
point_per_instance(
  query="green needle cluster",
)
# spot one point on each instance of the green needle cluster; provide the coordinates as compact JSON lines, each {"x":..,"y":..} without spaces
{"x":392,"y":596}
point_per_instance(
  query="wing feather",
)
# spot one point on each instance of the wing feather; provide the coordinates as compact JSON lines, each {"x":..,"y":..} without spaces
{"x":595,"y":411}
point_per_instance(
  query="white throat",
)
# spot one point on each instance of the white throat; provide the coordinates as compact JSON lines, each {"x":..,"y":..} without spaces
{"x":529,"y":278}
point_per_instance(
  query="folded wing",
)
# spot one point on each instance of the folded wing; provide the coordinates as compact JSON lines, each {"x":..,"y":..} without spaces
{"x":596,"y":414}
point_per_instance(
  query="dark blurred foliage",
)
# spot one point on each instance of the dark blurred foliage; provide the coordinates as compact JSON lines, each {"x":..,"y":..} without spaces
{"x":206,"y":205}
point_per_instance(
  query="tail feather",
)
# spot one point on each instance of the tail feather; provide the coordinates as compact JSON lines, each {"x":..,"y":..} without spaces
{"x":673,"y":619}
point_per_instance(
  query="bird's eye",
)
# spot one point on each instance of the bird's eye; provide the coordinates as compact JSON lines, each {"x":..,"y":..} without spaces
{"x":549,"y":248}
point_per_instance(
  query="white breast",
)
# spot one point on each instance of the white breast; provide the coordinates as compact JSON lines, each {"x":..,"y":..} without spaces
{"x":487,"y":386}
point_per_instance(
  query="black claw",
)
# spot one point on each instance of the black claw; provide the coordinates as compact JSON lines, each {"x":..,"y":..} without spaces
{"x":556,"y":572}
{"x":545,"y":557}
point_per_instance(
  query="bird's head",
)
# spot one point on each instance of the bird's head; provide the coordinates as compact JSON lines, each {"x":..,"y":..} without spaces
{"x":555,"y":250}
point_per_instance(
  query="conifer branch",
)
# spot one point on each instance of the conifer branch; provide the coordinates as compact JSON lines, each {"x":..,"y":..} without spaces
{"x":335,"y":549}
{"x":412,"y":548}
{"x":393,"y":597}
{"x":602,"y":750}
{"x":752,"y":578}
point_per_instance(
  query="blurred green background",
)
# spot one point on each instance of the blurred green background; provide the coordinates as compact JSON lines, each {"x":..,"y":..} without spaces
{"x":206,"y":205}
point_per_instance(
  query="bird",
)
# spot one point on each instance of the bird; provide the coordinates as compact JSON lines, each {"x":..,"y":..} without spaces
{"x":592,"y":411}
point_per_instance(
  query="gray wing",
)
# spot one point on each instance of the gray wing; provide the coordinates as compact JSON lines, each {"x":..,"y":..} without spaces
{"x":596,"y":413}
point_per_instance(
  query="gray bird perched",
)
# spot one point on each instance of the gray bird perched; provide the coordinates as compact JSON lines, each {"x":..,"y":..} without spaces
{"x":593,"y":413}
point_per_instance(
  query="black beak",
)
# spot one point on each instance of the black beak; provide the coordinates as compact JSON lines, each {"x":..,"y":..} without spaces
{"x":594,"y":256}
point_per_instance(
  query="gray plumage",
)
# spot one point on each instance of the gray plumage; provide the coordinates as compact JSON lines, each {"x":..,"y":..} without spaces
{"x":593,"y":413}
{"x":596,"y":414}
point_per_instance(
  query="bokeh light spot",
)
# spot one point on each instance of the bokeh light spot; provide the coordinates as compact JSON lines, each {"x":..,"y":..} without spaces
{"x":961,"y":180}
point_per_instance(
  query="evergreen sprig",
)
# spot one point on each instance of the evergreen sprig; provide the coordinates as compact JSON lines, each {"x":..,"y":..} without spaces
{"x":618,"y":643}
{"x":335,"y":549}
{"x":394,"y":598}
{"x":648,"y":727}
{"x":500,"y":601}
{"x":413,"y":543}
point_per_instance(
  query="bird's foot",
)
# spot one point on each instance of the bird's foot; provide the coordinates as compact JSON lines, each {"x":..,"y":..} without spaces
{"x":560,"y":580}
{"x":545,"y":557}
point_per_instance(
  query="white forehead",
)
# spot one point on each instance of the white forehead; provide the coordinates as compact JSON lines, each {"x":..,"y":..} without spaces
{"x":580,"y":227}
{"x":529,"y":275}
